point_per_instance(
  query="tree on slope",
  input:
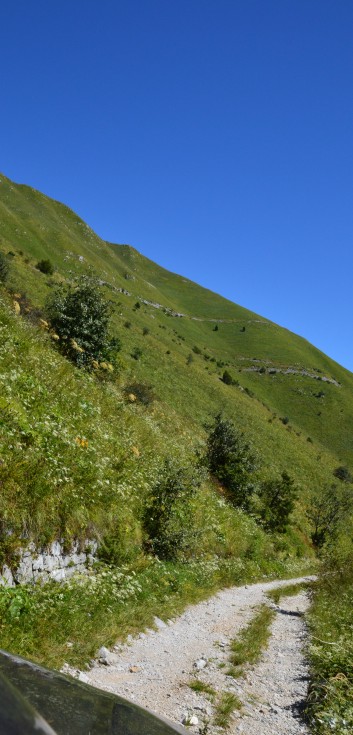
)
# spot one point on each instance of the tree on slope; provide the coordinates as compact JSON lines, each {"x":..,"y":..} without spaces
{"x":231,"y":460}
{"x":80,"y":317}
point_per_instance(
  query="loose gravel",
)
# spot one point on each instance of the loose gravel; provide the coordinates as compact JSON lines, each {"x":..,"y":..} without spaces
{"x":156,"y":668}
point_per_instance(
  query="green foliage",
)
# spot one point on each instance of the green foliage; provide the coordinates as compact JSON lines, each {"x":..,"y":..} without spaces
{"x":277,"y":502}
{"x":227,"y":378}
{"x":343,"y":474}
{"x":326,"y":509}
{"x":4,"y":268}
{"x":231,"y":460}
{"x":80,"y":317}
{"x":45,"y":266}
{"x":137,"y":353}
{"x":330,"y":701}
{"x":248,"y":646}
{"x":226,"y":705}
{"x":144,"y":392}
{"x":168,"y":520}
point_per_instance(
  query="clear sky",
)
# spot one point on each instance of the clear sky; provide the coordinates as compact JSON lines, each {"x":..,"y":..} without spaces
{"x":215,"y":136}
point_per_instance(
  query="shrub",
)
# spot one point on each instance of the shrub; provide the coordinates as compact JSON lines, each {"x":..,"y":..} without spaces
{"x":4,"y":268}
{"x":143,"y":392}
{"x":227,"y":378}
{"x":197,"y":350}
{"x":343,"y":474}
{"x":230,"y":459}
{"x":145,"y":331}
{"x":327,"y":508}
{"x":80,"y":317}
{"x":278,"y":500}
{"x":168,"y":520}
{"x":189,"y":359}
{"x":45,"y":266}
{"x":136,"y":353}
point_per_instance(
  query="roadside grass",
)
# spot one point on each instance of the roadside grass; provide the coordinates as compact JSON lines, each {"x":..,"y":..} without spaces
{"x":252,"y":640}
{"x":288,"y":590}
{"x":38,"y":622}
{"x":203,"y":688}
{"x":330,"y":700}
{"x":224,"y":709}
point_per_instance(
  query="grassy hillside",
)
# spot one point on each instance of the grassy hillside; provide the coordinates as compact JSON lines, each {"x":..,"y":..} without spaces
{"x":80,"y":458}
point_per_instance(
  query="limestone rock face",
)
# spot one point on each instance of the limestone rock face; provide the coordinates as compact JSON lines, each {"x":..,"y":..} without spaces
{"x":50,"y":563}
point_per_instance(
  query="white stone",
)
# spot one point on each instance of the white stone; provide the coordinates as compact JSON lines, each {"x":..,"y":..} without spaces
{"x":83,"y":677}
{"x":159,"y":623}
{"x":24,"y":572}
{"x":6,"y":577}
{"x":58,"y":575}
{"x":55,"y":549}
{"x":37,"y":563}
{"x":200,"y":664}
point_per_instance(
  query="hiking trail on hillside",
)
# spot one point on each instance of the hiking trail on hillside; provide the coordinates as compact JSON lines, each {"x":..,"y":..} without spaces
{"x":156,"y":668}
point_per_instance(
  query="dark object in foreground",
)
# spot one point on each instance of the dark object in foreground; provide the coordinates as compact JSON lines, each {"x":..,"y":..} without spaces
{"x":29,"y":693}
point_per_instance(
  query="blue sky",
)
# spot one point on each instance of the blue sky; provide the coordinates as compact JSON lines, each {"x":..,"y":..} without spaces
{"x":215,"y":136}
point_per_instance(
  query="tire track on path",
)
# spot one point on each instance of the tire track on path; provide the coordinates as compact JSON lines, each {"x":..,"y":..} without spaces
{"x":156,"y":668}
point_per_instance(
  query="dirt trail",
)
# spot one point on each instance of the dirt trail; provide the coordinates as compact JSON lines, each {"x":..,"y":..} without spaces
{"x":156,"y":668}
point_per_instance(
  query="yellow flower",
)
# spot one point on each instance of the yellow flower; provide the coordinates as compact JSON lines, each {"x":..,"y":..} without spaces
{"x":81,"y":442}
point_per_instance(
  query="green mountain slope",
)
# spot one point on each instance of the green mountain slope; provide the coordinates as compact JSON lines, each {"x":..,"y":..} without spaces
{"x":81,"y":458}
{"x":283,"y":371}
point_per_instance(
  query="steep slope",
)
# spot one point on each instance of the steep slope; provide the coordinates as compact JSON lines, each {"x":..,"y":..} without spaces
{"x":294,"y":380}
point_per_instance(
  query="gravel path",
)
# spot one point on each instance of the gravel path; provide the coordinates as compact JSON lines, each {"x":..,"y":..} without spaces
{"x":156,"y":668}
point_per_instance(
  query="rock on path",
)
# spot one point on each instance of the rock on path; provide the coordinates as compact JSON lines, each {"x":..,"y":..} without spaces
{"x":155,"y":669}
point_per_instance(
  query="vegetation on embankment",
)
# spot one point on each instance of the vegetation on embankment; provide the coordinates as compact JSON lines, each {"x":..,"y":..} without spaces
{"x":69,"y":622}
{"x":105,"y":433}
{"x":330,"y":707}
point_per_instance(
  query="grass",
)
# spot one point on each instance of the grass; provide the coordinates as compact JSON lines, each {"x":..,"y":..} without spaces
{"x":248,"y":647}
{"x":289,"y":590}
{"x":224,"y":709}
{"x":38,"y":621}
{"x":78,"y":459}
{"x":330,"y":702}
{"x":202,"y":688}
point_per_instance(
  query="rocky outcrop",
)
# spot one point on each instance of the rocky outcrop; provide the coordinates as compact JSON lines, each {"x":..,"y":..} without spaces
{"x":54,"y":562}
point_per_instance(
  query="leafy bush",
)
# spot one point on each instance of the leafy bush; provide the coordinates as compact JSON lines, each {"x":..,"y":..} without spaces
{"x":278,"y":499}
{"x":230,"y":459}
{"x":142,"y":391}
{"x":196,"y":350}
{"x":328,"y":506}
{"x":136,"y":353}
{"x":80,"y":317}
{"x":227,"y":378}
{"x":168,"y":520}
{"x":45,"y":266}
{"x":343,"y":473}
{"x":4,"y":268}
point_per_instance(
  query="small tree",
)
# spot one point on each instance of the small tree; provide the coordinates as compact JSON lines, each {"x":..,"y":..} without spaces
{"x":4,"y":268}
{"x":227,"y":378}
{"x":80,"y":317}
{"x":45,"y":266}
{"x":327,"y":508}
{"x":343,"y":474}
{"x":278,"y":500}
{"x":168,"y":520}
{"x":230,"y":459}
